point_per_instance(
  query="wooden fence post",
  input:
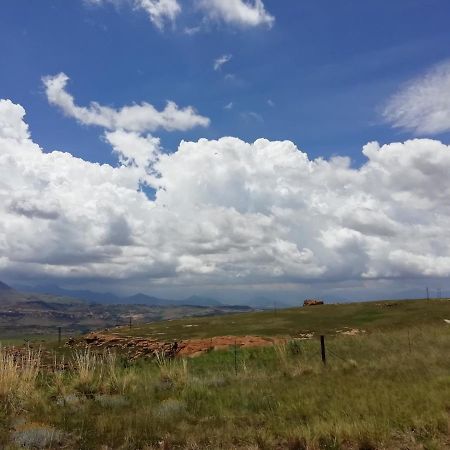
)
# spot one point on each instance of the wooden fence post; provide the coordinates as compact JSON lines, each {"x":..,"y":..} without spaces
{"x":235,"y":358}
{"x":322,"y":349}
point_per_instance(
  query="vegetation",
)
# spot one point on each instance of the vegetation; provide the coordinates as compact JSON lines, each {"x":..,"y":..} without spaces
{"x":381,"y":315}
{"x":388,"y":388}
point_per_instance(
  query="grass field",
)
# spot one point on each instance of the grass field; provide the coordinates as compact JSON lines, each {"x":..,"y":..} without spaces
{"x":370,"y":316}
{"x":388,"y":388}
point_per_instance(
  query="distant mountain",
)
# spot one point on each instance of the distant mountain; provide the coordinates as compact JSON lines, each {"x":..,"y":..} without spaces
{"x":5,"y":287}
{"x":143,"y":299}
{"x":137,"y":299}
{"x":31,"y":313}
{"x":196,"y":300}
{"x":267,"y":303}
{"x":102,"y":298}
{"x":90,"y":296}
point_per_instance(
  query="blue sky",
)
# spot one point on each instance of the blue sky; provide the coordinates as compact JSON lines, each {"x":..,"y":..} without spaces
{"x":327,"y":66}
{"x":226,"y":216}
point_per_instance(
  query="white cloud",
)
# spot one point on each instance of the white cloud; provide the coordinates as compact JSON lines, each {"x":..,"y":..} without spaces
{"x":225,"y":213}
{"x":219,"y":62}
{"x":423,"y":105}
{"x":251,"y":116}
{"x":159,"y":11}
{"x":140,"y":118}
{"x":191,"y":31}
{"x":244,"y":13}
{"x":134,"y":149}
{"x":229,"y":106}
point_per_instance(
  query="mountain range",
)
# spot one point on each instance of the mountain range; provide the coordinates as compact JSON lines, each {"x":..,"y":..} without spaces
{"x":149,"y":300}
{"x":137,"y":299}
{"x":4,"y":287}
{"x":32,"y":313}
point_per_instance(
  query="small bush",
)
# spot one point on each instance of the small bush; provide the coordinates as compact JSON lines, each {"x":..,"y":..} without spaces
{"x":294,"y":347}
{"x":37,"y":437}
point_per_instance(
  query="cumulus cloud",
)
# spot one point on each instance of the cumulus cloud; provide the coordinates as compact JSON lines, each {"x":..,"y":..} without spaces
{"x":243,"y":13}
{"x":139,"y":118}
{"x":159,"y":11}
{"x":423,"y":105}
{"x":225,"y":212}
{"x":219,"y":62}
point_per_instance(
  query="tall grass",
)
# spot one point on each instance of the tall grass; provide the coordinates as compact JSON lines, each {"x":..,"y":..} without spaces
{"x":96,"y":372}
{"x":18,"y":373}
{"x":384,"y":390}
{"x":172,"y":370}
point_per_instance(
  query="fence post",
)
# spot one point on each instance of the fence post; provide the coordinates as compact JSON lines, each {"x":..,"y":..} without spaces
{"x":130,"y":322}
{"x":59,"y":335}
{"x":322,"y":348}
{"x":409,"y":342}
{"x":235,"y":358}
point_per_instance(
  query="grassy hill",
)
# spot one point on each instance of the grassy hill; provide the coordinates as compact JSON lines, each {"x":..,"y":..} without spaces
{"x":326,"y":319}
{"x":386,"y":389}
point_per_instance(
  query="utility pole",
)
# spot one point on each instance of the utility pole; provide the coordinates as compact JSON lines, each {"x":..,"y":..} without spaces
{"x":428,"y":294}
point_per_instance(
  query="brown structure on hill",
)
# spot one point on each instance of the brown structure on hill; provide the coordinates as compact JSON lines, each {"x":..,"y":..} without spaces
{"x":312,"y":302}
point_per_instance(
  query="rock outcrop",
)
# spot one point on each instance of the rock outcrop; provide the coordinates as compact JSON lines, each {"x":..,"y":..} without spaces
{"x":312,"y":302}
{"x":136,"y":347}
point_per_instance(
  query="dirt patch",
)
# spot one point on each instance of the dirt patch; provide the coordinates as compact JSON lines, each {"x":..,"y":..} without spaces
{"x":199,"y":346}
{"x":387,"y":304}
{"x":136,"y":348}
{"x":304,"y":336}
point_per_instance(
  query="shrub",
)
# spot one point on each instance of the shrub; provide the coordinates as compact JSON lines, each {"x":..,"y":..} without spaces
{"x":37,"y":437}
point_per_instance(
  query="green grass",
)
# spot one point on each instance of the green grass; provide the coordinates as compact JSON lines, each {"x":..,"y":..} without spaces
{"x":381,"y":315}
{"x":33,"y":339}
{"x":388,"y":389}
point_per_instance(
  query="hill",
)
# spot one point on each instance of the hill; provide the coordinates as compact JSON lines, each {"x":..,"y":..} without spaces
{"x":387,"y":388}
{"x":4,"y":287}
{"x":325,"y":319}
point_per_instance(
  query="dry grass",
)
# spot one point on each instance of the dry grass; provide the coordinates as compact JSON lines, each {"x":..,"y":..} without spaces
{"x":380,"y":390}
{"x":172,"y":370}
{"x":18,"y":373}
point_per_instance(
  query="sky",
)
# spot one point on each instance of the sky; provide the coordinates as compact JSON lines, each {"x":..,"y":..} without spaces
{"x":233,"y":148}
